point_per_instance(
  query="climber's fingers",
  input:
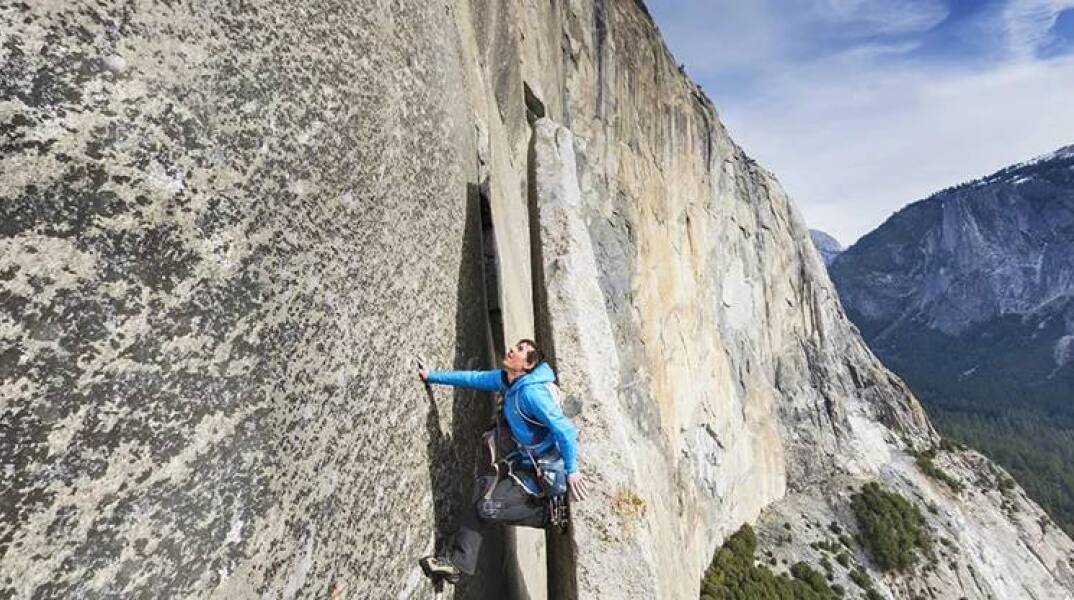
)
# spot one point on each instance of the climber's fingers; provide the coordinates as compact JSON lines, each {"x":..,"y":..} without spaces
{"x":576,"y":483}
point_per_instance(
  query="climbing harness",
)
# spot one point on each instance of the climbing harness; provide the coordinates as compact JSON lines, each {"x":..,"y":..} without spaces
{"x":542,"y":477}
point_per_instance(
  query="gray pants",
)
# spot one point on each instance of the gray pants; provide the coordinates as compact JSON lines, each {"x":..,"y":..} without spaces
{"x":508,"y":504}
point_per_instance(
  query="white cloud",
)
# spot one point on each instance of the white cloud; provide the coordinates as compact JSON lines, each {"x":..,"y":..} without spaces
{"x":765,"y":36}
{"x":853,"y":148}
{"x":1027,"y":24}
{"x":884,"y":17}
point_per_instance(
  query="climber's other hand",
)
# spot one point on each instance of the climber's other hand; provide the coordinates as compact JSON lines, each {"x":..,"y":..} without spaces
{"x":576,"y":484}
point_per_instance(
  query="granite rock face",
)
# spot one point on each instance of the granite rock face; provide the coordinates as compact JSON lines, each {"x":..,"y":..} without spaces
{"x":228,"y":230}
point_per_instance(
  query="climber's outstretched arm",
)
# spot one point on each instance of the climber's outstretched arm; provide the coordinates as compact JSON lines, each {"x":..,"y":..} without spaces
{"x":489,"y":381}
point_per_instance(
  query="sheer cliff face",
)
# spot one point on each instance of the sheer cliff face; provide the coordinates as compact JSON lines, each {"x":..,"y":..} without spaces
{"x":226,"y":231}
{"x":253,"y":218}
{"x":732,"y":369}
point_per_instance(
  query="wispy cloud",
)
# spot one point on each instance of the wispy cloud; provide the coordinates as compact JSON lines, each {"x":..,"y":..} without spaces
{"x":1027,"y":24}
{"x":882,"y":17}
{"x":853,"y":153}
{"x":862,"y":106}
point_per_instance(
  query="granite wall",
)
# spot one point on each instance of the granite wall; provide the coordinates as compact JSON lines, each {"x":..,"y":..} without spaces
{"x":226,"y":229}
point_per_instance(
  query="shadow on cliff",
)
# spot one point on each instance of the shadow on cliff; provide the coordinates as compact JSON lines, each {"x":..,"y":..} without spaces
{"x":451,"y":456}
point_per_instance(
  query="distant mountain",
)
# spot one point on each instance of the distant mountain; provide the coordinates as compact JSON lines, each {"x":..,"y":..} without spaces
{"x":983,"y":271}
{"x":969,"y":296}
{"x":828,"y":246}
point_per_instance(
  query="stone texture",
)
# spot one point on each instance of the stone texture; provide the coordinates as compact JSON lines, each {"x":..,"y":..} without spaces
{"x":228,"y":229}
{"x":608,"y":541}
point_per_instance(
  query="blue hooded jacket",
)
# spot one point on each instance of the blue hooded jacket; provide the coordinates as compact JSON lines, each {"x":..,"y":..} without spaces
{"x":525,"y":400}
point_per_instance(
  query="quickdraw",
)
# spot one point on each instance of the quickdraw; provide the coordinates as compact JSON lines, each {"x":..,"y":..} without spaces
{"x":559,"y":511}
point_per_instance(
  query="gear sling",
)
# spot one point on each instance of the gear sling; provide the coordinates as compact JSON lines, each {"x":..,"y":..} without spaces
{"x":542,"y":476}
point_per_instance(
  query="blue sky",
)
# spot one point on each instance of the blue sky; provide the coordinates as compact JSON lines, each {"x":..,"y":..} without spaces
{"x":863,"y":106}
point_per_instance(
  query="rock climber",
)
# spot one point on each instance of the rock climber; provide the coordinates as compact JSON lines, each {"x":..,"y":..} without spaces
{"x":532,"y":470}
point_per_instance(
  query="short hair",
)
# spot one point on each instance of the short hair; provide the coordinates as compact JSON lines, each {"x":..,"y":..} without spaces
{"x":533,"y":356}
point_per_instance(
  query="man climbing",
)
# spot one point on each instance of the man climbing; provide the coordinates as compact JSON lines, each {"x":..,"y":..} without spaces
{"x":529,"y":478}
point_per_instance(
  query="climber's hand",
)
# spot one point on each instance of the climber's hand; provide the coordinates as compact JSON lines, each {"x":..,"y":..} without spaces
{"x":577,"y":486}
{"x":423,"y":373}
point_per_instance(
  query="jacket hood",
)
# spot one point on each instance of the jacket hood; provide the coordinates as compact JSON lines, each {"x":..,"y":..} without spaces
{"x":542,"y":373}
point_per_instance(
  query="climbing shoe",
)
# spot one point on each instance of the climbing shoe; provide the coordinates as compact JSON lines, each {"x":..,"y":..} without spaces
{"x":439,"y":568}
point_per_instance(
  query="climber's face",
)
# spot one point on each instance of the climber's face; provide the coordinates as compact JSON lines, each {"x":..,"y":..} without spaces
{"x":515,"y":358}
